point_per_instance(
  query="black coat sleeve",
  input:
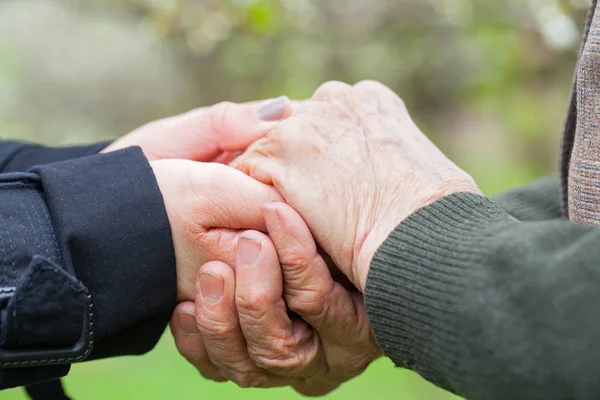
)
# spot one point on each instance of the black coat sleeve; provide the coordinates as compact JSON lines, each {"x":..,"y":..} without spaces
{"x":86,"y":259}
{"x":20,"y":156}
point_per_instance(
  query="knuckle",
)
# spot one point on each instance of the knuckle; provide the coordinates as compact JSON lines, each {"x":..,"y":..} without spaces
{"x":399,"y":102}
{"x":281,"y":359}
{"x":247,"y":160}
{"x":283,"y":130}
{"x":194,"y":357}
{"x":286,"y":354}
{"x":371,"y":84}
{"x":296,"y":259}
{"x":280,"y":366}
{"x":198,"y":359}
{"x":379,"y":89}
{"x":331,"y":88}
{"x":217,"y":330}
{"x":254,"y":305}
{"x":308,"y":288}
{"x":219,"y":244}
{"x":296,"y":134}
{"x":316,"y":390}
{"x":250,"y":379}
{"x":306,"y":302}
{"x":212,"y":377}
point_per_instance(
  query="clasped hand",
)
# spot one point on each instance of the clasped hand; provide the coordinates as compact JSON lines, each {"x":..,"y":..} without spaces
{"x":260,"y":306}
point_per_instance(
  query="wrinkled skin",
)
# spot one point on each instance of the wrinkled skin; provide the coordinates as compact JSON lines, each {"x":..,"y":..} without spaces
{"x":247,"y":336}
{"x":354,"y":165}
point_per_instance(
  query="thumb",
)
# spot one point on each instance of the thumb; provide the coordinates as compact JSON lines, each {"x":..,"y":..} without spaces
{"x":239,"y":125}
{"x":230,"y":127}
{"x":205,"y":133}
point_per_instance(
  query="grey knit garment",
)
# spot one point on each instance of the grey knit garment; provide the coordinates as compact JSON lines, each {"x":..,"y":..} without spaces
{"x":580,"y":161}
{"x":491,"y":308}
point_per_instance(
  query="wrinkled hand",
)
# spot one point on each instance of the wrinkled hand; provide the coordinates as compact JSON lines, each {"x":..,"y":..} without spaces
{"x":354,"y":165}
{"x":239,"y":328}
{"x":207,"y":203}
{"x":207,"y":134}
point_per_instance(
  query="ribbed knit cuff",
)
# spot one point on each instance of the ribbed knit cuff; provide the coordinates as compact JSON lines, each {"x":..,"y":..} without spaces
{"x":417,"y":278}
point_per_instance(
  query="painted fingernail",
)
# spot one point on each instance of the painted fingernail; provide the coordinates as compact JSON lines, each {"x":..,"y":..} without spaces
{"x":187,"y":322}
{"x":248,"y":251}
{"x":211,"y":286}
{"x":272,"y":219}
{"x":273,"y":110}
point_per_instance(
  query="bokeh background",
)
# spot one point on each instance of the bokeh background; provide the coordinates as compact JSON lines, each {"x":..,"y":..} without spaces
{"x":488,"y":80}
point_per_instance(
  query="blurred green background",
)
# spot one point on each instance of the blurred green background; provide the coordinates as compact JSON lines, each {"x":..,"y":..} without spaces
{"x":487,"y":80}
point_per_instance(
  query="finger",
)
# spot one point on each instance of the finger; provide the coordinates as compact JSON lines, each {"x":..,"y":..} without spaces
{"x":232,"y":127}
{"x":259,"y":167}
{"x":218,"y":324}
{"x":189,"y":341}
{"x":226,"y":157}
{"x":314,"y":388}
{"x":238,"y":125}
{"x":275,"y":342}
{"x":309,"y":289}
{"x":204,"y":133}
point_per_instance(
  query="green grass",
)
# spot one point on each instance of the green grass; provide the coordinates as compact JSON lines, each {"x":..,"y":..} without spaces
{"x":163,"y":374}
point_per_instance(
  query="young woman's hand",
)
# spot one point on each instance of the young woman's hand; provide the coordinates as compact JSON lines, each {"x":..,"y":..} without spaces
{"x":209,"y":134}
{"x":207,"y":204}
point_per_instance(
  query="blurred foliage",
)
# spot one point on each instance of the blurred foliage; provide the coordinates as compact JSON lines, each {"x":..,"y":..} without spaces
{"x":487,"y":80}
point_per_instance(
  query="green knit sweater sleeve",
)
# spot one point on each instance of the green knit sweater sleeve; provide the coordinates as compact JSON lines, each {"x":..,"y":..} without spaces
{"x":537,"y":201}
{"x":488,"y":307}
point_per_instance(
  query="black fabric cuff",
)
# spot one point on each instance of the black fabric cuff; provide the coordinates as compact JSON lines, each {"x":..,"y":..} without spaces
{"x":417,"y":281}
{"x":113,"y":230}
{"x":45,"y":312}
{"x":19,"y":157}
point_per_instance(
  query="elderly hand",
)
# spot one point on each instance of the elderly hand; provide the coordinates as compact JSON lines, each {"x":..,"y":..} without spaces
{"x":354,"y":165}
{"x":207,"y":203}
{"x":208,"y":134}
{"x":239,"y":328}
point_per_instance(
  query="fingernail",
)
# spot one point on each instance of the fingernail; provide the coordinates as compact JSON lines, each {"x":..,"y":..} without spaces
{"x":273,"y":110}
{"x":211,"y":287}
{"x":272,"y":219}
{"x":187,"y":322}
{"x":248,"y":251}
